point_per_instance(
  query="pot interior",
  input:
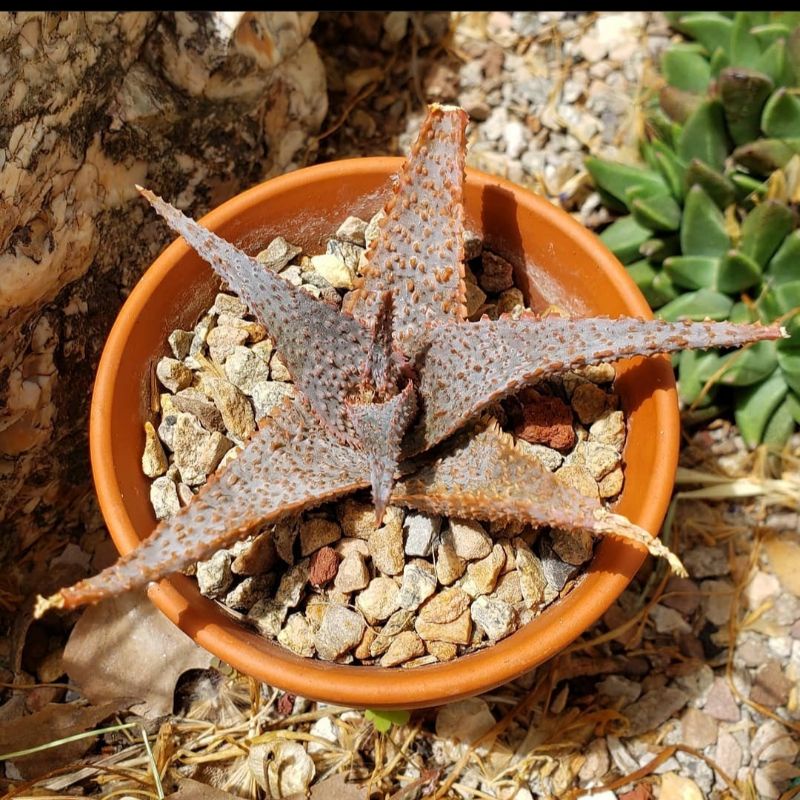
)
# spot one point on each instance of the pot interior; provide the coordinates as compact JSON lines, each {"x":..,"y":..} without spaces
{"x":556,"y":262}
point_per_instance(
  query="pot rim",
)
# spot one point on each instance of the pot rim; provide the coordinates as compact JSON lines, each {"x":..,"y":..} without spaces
{"x":612,"y":568}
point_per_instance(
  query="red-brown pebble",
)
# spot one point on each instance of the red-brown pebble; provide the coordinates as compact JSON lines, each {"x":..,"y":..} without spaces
{"x":547,"y":421}
{"x":323,"y":566}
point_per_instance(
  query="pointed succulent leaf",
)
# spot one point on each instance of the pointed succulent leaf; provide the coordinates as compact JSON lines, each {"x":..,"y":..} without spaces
{"x":380,"y":428}
{"x":718,"y":61}
{"x":781,"y":115}
{"x":659,"y":212}
{"x":671,"y":168}
{"x":764,"y":229}
{"x":685,"y":68}
{"x":737,"y":271}
{"x":703,"y":231}
{"x":774,"y":62}
{"x":747,"y":187}
{"x":656,"y":250}
{"x":463,"y":368}
{"x":744,"y":48}
{"x":770,"y":33}
{"x":616,"y":178}
{"x":756,"y":404}
{"x":789,"y":362}
{"x":793,"y":53}
{"x":780,"y":426}
{"x":418,"y":254}
{"x":749,"y":366}
{"x":652,"y":283}
{"x":699,"y":305}
{"x":663,"y":127}
{"x":705,"y":136}
{"x":663,"y":290}
{"x":743,"y":93}
{"x":712,"y":30}
{"x":385,"y":363}
{"x":782,"y":301}
{"x":624,"y":237}
{"x":783,"y":266}
{"x":290,"y":464}
{"x":766,"y":155}
{"x":693,"y":272}
{"x":488,"y":476}
{"x":325,"y":351}
{"x":695,"y":369}
{"x":793,"y":404}
{"x":716,"y":185}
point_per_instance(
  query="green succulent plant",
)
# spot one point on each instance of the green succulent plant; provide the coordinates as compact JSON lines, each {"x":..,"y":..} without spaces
{"x":710,"y":224}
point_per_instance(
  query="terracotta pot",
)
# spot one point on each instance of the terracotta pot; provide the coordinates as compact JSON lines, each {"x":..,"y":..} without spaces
{"x":557,"y":261}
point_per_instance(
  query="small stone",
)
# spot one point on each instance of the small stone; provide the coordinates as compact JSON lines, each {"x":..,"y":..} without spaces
{"x":353,"y":230}
{"x":197,"y":452}
{"x":185,"y":492}
{"x":373,"y":228}
{"x":575,"y":547}
{"x":497,"y":274}
{"x":349,"y":546}
{"x":704,"y":561}
{"x":341,"y":630}
{"x":419,"y":583}
{"x":154,"y":459}
{"x":546,"y":421}
{"x":445,"y":606}
{"x":449,"y":565}
{"x":348,"y":253}
{"x":550,"y":459}
{"x":324,"y":728}
{"x":290,"y":589}
{"x":596,"y":762}
{"x":253,"y":555}
{"x":510,"y":300}
{"x":278,"y":254}
{"x":386,"y":547}
{"x":193,"y":401}
{"x":334,"y":270}
{"x":356,"y":518}
{"x":589,"y":403}
{"x":465,"y":720}
{"x":237,"y":413}
{"x":676,"y":787}
{"x":508,"y":588}
{"x":421,"y":532}
{"x":611,"y":485}
{"x":532,"y":580}
{"x":405,"y":646}
{"x":223,"y":340}
{"x":458,"y":631}
{"x":728,"y":754}
{"x":698,"y":730}
{"x":592,"y":49}
{"x":599,"y":459}
{"x":397,"y":623}
{"x":609,"y":429}
{"x":495,"y":616}
{"x":720,"y":702}
{"x":353,"y":574}
{"x":255,"y":331}
{"x":298,"y":636}
{"x":180,"y":342}
{"x":229,"y":304}
{"x":323,"y":566}
{"x":718,"y":596}
{"x":164,"y":497}
{"x":201,"y":331}
{"x":284,"y":535}
{"x":580,"y":479}
{"x":653,"y":709}
{"x":293,"y":275}
{"x":771,"y":687}
{"x":246,"y":593}
{"x":668,"y":620}
{"x":763,"y":586}
{"x":475,"y":298}
{"x":598,"y":373}
{"x":269,"y":394}
{"x":362,"y":652}
{"x":470,"y":540}
{"x":173,"y":374}
{"x":244,"y":369}
{"x":268,"y":616}
{"x":618,"y":687}
{"x":443,"y":651}
{"x":473,"y":245}
{"x":317,"y":532}
{"x":483,"y":574}
{"x":379,"y":600}
{"x":278,"y":370}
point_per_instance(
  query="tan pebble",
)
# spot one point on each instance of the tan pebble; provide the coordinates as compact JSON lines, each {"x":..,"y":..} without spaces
{"x":611,"y":485}
{"x":575,"y":547}
{"x":406,"y":645}
{"x":449,"y":565}
{"x":475,"y":298}
{"x":353,"y":574}
{"x":609,"y":429}
{"x":470,"y":540}
{"x":298,"y":636}
{"x":315,"y":610}
{"x":154,"y":459}
{"x":348,"y":545}
{"x":532,"y":580}
{"x":444,"y":651}
{"x":598,"y":373}
{"x":509,"y":300}
{"x":357,"y":519}
{"x":484,"y":573}
{"x":379,"y":600}
{"x":400,"y":621}
{"x":255,"y":555}
{"x":277,"y":369}
{"x":317,"y":532}
{"x":589,"y":402}
{"x":237,"y":413}
{"x":223,"y":340}
{"x":579,"y":478}
{"x":422,"y":661}
{"x":386,"y":548}
{"x":341,"y":631}
{"x":458,"y":631}
{"x":445,"y":606}
{"x":254,"y":330}
{"x":362,"y":652}
{"x":174,"y":374}
{"x":508,"y":587}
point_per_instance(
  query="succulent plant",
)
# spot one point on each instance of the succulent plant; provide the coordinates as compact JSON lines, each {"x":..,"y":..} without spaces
{"x":707,"y":236}
{"x":396,"y":395}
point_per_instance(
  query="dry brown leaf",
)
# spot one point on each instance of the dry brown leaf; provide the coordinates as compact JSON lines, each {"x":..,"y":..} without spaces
{"x":125,"y":646}
{"x":194,"y":790}
{"x":55,"y":721}
{"x":337,"y":788}
{"x":784,"y":557}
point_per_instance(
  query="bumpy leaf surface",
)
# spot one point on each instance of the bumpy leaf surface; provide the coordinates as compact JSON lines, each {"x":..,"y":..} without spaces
{"x":463,"y":368}
{"x":325,"y":351}
{"x":290,"y":464}
{"x":485,"y":475}
{"x":419,"y":252}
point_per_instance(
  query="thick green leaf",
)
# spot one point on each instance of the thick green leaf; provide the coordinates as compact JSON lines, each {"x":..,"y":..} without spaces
{"x":784,"y":266}
{"x":695,"y":368}
{"x":712,"y":30}
{"x":747,"y":187}
{"x":646,"y":151}
{"x":781,"y":116}
{"x":624,"y":237}
{"x":656,"y":250}
{"x":383,"y":719}
{"x":716,"y":185}
{"x":685,"y":68}
{"x":642,"y":272}
{"x":793,"y":53}
{"x":704,"y":135}
{"x":659,"y":212}
{"x":764,"y":229}
{"x":693,"y":272}
{"x":756,"y":404}
{"x":779,"y":300}
{"x":699,"y":305}
{"x":793,"y":403}
{"x":678,"y":104}
{"x":773,"y":62}
{"x":663,"y":127}
{"x":743,"y":93}
{"x":703,"y":226}
{"x":780,"y":426}
{"x":749,"y":366}
{"x":743,"y":312}
{"x":770,"y":33}
{"x":719,"y":60}
{"x":766,"y":155}
{"x":617,"y":179}
{"x":672,"y":169}
{"x":789,"y":362}
{"x":737,"y":271}
{"x":662,"y":291}
{"x":744,"y":48}
{"x":651,"y":284}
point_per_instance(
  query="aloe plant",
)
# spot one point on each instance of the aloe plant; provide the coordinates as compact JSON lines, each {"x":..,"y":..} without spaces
{"x":711,"y":229}
{"x":402,"y":374}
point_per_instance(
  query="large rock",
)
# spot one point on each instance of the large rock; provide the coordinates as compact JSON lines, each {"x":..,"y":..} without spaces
{"x":197,"y":106}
